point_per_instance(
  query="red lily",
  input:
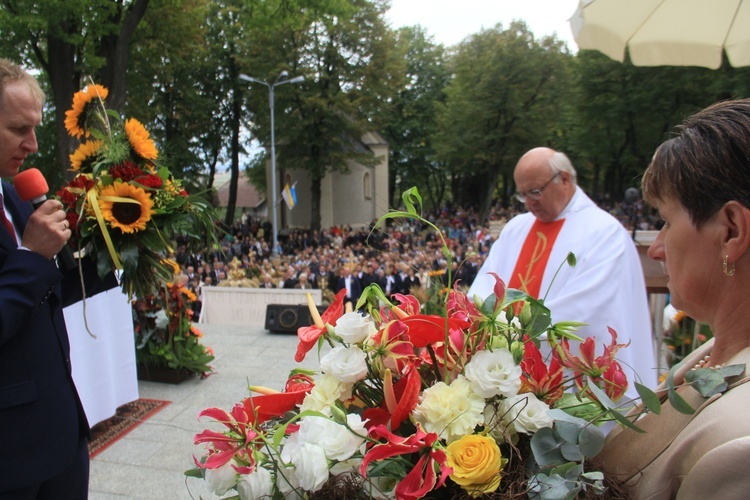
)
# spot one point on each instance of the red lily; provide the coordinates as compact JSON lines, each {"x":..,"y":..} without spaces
{"x":545,"y":382}
{"x":422,"y":478}
{"x":237,"y":442}
{"x":615,"y":382}
{"x":392,"y":348}
{"x":309,"y":335}
{"x":398,"y":401}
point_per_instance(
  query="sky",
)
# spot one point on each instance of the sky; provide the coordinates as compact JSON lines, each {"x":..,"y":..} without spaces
{"x":450,"y":21}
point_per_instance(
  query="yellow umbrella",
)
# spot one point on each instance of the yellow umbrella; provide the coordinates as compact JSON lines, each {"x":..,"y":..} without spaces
{"x":666,"y":32}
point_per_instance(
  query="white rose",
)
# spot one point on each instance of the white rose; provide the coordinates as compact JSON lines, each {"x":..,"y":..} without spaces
{"x":258,"y":484}
{"x":327,"y":390}
{"x":525,"y":413}
{"x":311,"y":466}
{"x":354,"y":328}
{"x":338,"y":442}
{"x":494,"y":373}
{"x":347,"y":364}
{"x":221,"y":480}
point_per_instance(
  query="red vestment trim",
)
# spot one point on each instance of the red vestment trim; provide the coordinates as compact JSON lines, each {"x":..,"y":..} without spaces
{"x":532,"y":261}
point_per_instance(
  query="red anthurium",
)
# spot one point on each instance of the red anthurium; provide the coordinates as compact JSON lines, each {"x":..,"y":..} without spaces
{"x":398,"y":402}
{"x":238,"y":441}
{"x":545,"y":382}
{"x":309,"y":335}
{"x":425,"y":329}
{"x":422,"y":478}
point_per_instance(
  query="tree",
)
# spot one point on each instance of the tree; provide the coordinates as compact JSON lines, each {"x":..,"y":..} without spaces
{"x":411,"y":124}
{"x":504,"y":98}
{"x":342,"y":49}
{"x":69,"y":39}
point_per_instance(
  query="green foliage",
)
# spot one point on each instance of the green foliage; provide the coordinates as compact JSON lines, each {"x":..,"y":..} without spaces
{"x":165,"y":336}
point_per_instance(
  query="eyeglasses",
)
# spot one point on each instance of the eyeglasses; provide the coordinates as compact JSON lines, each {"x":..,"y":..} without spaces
{"x":534,"y":194}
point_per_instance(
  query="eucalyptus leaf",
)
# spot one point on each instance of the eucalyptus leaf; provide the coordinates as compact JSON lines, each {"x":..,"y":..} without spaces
{"x":600,"y":395}
{"x":625,"y":422}
{"x":553,"y":487}
{"x":706,"y":381}
{"x":546,"y":447}
{"x":649,"y":398}
{"x":678,"y":403}
{"x":591,"y":441}
{"x":568,"y":431}
{"x":571,"y":452}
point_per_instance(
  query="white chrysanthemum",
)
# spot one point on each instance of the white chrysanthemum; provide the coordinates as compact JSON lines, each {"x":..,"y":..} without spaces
{"x":452,"y":411}
{"x":328,"y":389}
{"x":525,"y":413}
{"x":494,"y":373}
{"x":354,"y":328}
{"x":347,"y":364}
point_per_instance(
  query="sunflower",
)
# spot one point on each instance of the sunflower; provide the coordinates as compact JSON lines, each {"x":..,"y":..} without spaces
{"x":84,"y":154}
{"x":139,"y":139}
{"x":127,"y":216}
{"x":83,"y":101}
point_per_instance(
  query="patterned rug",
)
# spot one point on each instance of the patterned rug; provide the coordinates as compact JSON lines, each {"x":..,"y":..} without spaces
{"x":127,"y":417}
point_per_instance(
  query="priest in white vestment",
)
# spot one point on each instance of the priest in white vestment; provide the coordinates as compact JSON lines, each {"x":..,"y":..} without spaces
{"x":606,"y":288}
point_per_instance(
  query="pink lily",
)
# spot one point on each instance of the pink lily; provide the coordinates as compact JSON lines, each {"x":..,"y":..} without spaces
{"x":309,"y":335}
{"x":422,"y":478}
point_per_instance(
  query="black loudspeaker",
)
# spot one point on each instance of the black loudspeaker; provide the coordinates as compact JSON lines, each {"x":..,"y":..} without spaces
{"x":287,"y":318}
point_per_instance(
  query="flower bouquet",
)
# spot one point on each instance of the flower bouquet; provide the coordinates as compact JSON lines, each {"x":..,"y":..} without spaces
{"x":411,"y":405}
{"x":164,"y":333}
{"x":124,"y":209}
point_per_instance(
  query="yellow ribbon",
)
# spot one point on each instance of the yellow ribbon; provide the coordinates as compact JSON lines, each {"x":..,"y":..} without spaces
{"x":92,"y":197}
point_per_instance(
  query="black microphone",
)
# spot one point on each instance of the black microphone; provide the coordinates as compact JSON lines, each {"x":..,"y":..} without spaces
{"x":31,"y":186}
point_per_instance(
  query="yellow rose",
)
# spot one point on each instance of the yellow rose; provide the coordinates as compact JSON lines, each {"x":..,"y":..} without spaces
{"x":476,"y":462}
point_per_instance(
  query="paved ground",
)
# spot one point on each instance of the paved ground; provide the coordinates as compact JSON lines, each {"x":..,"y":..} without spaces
{"x":149,"y":462}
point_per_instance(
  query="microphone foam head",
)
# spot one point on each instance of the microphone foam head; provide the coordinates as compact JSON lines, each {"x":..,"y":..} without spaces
{"x":30,"y":184}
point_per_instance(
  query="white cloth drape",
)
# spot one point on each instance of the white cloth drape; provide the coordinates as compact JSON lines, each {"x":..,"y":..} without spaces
{"x":103,"y":367}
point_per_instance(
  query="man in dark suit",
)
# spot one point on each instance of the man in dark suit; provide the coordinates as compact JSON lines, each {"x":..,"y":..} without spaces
{"x":351,"y":284}
{"x":43,"y":429}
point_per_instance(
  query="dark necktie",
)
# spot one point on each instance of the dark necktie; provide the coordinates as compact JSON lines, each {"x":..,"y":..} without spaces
{"x":6,"y":223}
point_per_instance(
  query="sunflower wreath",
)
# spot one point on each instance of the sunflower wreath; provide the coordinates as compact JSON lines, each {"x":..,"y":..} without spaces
{"x":123,"y":207}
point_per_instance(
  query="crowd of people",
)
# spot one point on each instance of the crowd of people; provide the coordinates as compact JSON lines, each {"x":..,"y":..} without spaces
{"x":404,"y":257}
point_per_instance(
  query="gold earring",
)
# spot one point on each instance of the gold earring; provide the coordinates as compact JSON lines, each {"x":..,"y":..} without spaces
{"x":728,"y":268}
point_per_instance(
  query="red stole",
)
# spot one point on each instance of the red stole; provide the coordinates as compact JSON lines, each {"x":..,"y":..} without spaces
{"x":532,"y":262}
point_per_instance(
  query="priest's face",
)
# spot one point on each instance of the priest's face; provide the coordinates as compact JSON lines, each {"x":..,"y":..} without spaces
{"x":546,"y":192}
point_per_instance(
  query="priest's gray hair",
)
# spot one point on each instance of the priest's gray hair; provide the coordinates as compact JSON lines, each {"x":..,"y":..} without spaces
{"x":559,"y":162}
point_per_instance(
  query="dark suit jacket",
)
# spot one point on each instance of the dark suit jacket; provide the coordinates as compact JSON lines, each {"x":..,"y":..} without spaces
{"x":41,"y":417}
{"x":356,"y":287}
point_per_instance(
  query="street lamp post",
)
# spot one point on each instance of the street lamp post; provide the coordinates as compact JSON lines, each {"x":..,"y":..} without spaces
{"x":282,"y":79}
